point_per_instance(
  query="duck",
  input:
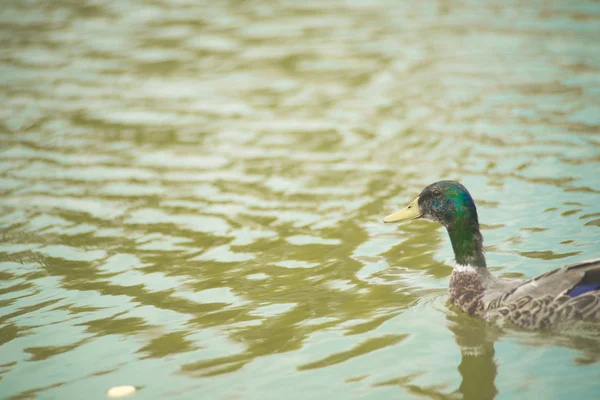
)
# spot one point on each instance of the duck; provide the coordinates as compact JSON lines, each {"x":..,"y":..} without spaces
{"x":556,"y":298}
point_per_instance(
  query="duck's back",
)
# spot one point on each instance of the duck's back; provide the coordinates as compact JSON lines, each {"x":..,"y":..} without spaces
{"x":563,"y":295}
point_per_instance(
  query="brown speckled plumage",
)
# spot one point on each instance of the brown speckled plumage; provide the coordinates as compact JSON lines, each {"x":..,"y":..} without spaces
{"x":538,"y":303}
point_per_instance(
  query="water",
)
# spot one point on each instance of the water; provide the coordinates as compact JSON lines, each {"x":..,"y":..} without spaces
{"x":192,"y":194}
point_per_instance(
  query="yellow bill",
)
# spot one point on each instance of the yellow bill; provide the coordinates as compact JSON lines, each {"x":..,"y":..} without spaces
{"x":409,"y":212}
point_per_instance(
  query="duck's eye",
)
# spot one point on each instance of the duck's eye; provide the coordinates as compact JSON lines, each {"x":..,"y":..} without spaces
{"x":437,"y":193}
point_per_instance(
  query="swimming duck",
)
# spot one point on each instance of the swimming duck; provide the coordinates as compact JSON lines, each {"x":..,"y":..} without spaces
{"x":561,"y":296}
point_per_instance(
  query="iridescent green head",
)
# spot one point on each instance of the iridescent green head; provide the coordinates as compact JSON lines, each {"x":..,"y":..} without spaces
{"x":450,"y":204}
{"x":447,"y":202}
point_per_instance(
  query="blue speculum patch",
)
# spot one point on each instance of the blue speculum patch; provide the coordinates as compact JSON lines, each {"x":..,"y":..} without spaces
{"x":583,"y":288}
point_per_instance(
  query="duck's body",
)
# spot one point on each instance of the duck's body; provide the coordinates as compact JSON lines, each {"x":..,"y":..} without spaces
{"x":537,"y":303}
{"x":558,"y":297}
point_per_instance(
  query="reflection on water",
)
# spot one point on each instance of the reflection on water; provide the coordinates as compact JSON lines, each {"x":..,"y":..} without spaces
{"x":477,"y":368}
{"x":192,"y":194}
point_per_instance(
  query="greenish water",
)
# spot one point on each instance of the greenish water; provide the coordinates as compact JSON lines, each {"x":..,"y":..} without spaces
{"x":192,"y":194}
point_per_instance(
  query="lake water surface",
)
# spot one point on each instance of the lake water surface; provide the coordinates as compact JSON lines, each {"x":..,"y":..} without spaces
{"x":192,"y":194}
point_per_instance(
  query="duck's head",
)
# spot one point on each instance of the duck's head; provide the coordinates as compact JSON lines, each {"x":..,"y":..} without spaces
{"x":446,"y":202}
{"x":450,"y":204}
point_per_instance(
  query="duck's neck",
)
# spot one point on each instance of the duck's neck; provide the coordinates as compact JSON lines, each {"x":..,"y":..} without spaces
{"x":470,"y":276}
{"x":467,"y":242}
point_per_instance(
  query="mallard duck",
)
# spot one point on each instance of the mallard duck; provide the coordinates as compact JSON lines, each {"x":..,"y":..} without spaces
{"x":561,"y":296}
